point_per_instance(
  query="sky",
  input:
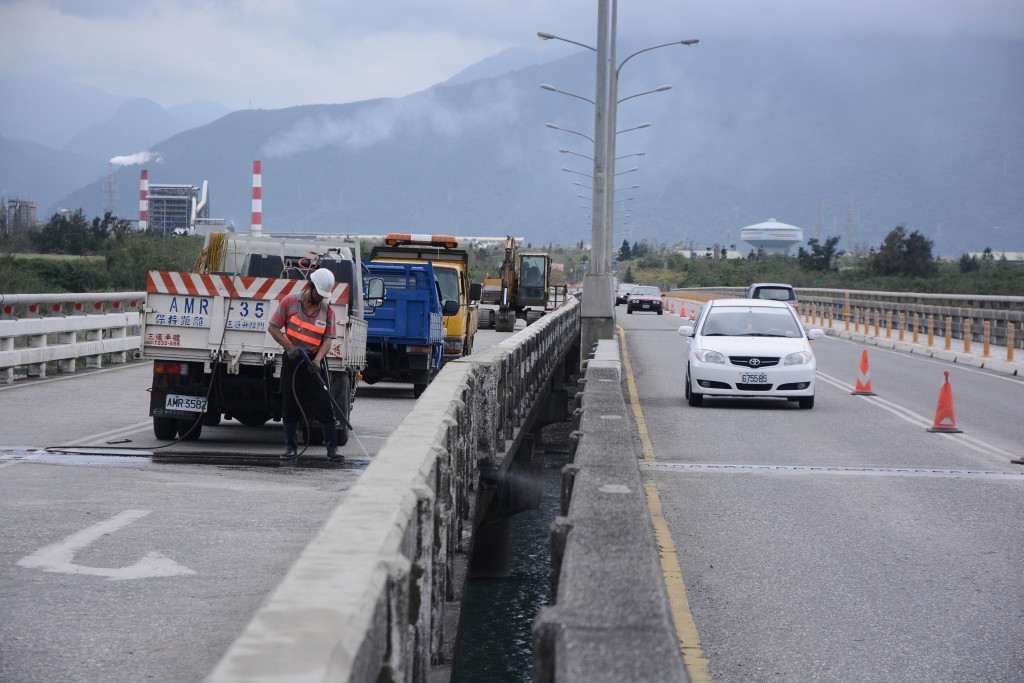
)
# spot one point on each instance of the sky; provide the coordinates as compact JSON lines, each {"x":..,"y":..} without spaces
{"x":272,"y":54}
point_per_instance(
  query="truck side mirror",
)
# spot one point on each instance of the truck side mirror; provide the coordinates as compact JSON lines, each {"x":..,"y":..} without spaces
{"x":450,"y":307}
{"x":476,"y":291}
{"x":375,"y":292}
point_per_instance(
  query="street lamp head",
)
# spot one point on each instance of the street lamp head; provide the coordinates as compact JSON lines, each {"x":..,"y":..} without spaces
{"x":691,"y":41}
{"x":545,"y":36}
{"x":663,"y":88}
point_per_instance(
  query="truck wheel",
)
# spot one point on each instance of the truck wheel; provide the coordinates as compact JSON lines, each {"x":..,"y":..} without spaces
{"x":211,"y":419}
{"x":418,"y":389}
{"x":189,"y":429}
{"x":165,"y":428}
{"x":342,"y":392}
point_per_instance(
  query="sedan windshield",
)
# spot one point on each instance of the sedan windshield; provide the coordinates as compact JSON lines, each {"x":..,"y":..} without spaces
{"x":734,"y":321}
{"x":646,"y":291}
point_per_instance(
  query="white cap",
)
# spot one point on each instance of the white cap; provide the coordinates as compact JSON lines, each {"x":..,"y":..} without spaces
{"x":323,"y":280}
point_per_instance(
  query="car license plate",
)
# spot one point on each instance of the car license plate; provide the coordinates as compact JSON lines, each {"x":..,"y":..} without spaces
{"x":759,"y":378}
{"x":646,"y":305}
{"x":192,"y":404}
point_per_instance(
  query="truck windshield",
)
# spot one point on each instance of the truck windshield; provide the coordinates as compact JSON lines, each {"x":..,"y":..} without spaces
{"x":448,"y":280}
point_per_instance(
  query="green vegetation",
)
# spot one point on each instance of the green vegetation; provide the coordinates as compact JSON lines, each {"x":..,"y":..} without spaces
{"x":903,"y":263}
{"x":72,"y":254}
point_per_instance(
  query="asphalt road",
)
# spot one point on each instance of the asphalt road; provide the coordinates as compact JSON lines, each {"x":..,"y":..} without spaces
{"x":844,"y":542}
{"x":118,"y":568}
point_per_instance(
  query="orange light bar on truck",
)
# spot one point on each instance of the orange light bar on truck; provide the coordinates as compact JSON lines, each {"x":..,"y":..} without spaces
{"x":393,"y":239}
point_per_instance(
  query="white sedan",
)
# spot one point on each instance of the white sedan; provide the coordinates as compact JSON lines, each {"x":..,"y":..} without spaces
{"x":751,"y":348}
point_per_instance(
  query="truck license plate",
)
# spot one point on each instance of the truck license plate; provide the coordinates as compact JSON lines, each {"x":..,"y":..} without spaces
{"x":759,"y":378}
{"x":192,"y":404}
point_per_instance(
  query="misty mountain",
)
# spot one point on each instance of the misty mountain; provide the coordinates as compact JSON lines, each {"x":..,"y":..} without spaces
{"x":27,"y":165}
{"x":852,"y":135}
{"x":135,"y":126}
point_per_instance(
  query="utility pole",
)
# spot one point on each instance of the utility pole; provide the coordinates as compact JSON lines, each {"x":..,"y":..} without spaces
{"x":598,"y":312}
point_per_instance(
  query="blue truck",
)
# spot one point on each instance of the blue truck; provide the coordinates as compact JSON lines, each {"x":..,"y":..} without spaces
{"x":405,"y":330}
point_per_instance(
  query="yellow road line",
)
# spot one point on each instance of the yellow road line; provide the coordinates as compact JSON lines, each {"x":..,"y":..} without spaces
{"x":634,"y":401}
{"x":686,"y":630}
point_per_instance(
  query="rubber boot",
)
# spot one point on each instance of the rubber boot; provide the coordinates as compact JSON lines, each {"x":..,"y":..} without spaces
{"x":290,"y":447}
{"x":331,"y":442}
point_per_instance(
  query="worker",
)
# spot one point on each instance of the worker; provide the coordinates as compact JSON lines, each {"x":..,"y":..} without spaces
{"x":306,"y":324}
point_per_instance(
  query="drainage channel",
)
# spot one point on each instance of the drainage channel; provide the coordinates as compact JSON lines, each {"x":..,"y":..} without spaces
{"x":496,"y":636}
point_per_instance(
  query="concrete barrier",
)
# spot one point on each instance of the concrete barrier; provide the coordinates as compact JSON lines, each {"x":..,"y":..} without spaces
{"x":376,"y":593}
{"x":610,"y":619}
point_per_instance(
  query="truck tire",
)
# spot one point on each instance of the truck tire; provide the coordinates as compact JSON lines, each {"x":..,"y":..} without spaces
{"x":341,"y":389}
{"x":165,"y":428}
{"x":418,"y":388}
{"x":190,"y":429}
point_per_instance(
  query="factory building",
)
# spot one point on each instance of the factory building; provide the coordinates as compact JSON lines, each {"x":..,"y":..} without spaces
{"x":17,"y":216}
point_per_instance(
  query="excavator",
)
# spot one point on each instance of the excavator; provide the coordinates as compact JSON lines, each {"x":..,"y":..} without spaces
{"x":522,"y":283}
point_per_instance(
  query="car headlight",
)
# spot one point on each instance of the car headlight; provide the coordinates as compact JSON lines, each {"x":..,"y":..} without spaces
{"x":799,"y":358}
{"x":709,"y":356}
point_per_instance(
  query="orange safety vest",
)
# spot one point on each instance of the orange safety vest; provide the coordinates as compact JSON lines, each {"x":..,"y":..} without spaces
{"x":306,"y":335}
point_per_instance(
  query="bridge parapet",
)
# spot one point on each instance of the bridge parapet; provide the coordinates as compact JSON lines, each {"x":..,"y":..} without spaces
{"x":36,"y":329}
{"x":373,"y":595}
{"x":611,"y":615}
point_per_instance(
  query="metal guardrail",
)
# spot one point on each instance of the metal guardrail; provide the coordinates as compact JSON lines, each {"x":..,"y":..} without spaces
{"x":969,"y":314}
{"x":373,"y":594}
{"x":36,"y":329}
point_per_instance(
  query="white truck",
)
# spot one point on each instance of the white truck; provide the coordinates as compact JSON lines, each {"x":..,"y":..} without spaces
{"x":206,"y":331}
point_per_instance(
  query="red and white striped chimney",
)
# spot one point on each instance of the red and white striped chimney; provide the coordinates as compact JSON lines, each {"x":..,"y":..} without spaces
{"x":144,"y":200}
{"x":257,"y":198}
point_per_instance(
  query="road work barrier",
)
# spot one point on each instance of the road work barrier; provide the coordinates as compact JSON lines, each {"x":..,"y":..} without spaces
{"x":375,"y":596}
{"x":37,"y":329}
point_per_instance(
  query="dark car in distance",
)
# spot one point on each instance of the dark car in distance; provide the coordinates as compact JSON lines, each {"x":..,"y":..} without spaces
{"x":645,"y":298}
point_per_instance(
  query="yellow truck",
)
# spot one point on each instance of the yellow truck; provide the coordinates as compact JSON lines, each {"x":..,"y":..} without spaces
{"x":451,"y":271}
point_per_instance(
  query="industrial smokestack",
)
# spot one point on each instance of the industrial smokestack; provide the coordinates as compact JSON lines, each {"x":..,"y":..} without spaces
{"x":257,"y":198}
{"x":143,"y":200}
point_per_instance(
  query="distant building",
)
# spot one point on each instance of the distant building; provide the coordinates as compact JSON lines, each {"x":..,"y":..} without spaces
{"x":772,"y":236}
{"x":173,"y":209}
{"x":17,"y":216}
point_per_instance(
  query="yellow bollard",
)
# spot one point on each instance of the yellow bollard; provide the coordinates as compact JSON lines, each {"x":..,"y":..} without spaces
{"x":949,"y":332}
{"x":878,"y":319}
{"x":967,"y":335}
{"x":986,"y":338}
{"x":846,"y":310}
{"x":888,"y":324}
{"x":931,"y":329}
{"x":917,"y":324}
{"x":902,"y":323}
{"x":1009,"y":342}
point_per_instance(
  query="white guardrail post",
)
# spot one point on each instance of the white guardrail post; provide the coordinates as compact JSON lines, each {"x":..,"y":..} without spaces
{"x":36,"y":329}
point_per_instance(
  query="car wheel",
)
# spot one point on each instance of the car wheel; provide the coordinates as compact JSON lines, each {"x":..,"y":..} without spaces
{"x":659,"y":311}
{"x":692,"y":397}
{"x":629,"y":309}
{"x":807,"y":402}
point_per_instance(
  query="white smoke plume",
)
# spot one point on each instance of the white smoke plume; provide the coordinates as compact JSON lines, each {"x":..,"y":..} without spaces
{"x":137,"y":158}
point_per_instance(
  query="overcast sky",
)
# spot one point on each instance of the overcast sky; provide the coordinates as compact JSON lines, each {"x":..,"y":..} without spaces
{"x":278,"y":53}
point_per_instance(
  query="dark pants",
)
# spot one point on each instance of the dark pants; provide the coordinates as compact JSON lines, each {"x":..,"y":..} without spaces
{"x":313,"y":398}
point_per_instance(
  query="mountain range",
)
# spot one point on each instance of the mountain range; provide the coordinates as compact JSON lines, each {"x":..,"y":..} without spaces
{"x":847,"y":137}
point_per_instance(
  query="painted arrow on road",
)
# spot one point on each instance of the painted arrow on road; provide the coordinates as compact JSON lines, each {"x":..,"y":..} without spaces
{"x":59,"y":557}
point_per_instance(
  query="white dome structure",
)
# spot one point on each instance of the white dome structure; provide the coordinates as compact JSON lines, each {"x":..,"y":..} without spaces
{"x":772,"y":236}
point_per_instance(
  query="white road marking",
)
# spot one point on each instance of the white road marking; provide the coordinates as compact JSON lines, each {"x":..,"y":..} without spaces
{"x":119,"y":432}
{"x":919,"y":420}
{"x":59,"y":556}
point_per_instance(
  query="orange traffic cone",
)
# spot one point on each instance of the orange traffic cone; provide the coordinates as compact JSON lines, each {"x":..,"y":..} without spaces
{"x":863,"y":387}
{"x":944,"y":420}
{"x":693,"y":314}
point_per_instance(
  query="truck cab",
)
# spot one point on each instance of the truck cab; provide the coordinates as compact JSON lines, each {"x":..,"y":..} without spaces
{"x":451,"y":270}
